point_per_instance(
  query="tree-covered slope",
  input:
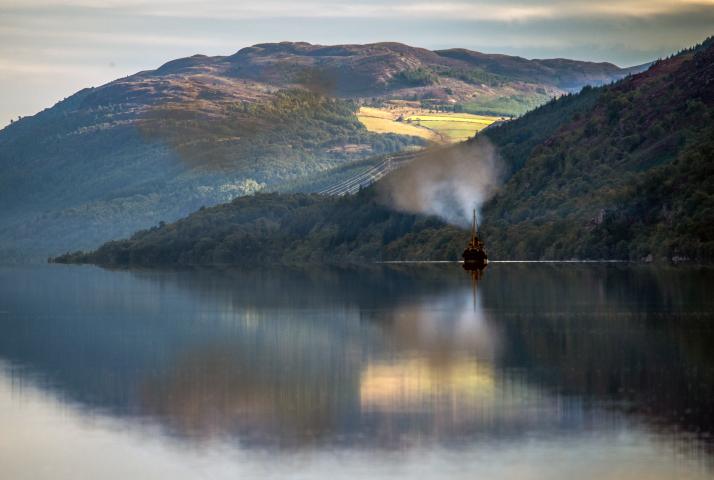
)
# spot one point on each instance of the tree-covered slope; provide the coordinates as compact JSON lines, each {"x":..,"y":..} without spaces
{"x":284,"y":229}
{"x":89,"y":170}
{"x":623,"y":171}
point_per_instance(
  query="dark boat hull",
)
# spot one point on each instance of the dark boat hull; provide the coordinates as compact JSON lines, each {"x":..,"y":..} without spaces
{"x":474,"y":259}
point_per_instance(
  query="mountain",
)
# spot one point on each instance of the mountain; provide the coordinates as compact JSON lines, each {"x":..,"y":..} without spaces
{"x":624,"y":171}
{"x":560,"y":72}
{"x":475,"y":80}
{"x":199,"y":131}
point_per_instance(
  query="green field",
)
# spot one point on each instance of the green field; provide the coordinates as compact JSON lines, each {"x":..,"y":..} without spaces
{"x":456,"y":127}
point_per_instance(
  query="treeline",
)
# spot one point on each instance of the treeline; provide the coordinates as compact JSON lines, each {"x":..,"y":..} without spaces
{"x":285,"y":229}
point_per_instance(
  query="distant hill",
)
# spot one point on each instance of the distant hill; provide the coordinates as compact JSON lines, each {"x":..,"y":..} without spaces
{"x":624,"y":171}
{"x":485,"y":83}
{"x":560,"y":72}
{"x":198,"y":131}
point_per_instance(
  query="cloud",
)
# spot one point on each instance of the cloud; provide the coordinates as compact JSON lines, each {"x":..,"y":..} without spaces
{"x":8,"y":68}
{"x":112,"y":38}
{"x":484,"y":10}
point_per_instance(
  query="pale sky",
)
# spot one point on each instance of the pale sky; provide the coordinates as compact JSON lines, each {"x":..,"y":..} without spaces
{"x":49,"y":49}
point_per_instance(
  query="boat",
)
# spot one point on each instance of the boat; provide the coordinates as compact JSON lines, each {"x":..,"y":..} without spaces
{"x":474,"y":256}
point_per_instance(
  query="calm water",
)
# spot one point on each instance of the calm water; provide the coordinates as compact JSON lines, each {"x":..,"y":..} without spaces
{"x":531,"y":372}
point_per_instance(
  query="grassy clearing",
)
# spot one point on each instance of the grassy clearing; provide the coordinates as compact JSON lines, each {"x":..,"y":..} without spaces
{"x":381,"y":121}
{"x":456,"y":127}
{"x":509,"y":105}
{"x":440,"y":127}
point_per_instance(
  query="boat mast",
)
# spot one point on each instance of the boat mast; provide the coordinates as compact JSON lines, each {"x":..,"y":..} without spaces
{"x":473,"y":230}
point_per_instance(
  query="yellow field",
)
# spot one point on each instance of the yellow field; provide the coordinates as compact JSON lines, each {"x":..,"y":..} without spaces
{"x":437,"y":127}
{"x":381,"y":121}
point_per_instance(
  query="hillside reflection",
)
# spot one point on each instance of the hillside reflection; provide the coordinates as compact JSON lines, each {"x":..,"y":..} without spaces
{"x":425,"y":363}
{"x":388,"y":356}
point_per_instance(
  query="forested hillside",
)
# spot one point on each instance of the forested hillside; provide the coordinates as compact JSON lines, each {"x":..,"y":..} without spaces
{"x":198,"y":131}
{"x":617,"y":172}
{"x":86,"y":171}
{"x":285,"y":229}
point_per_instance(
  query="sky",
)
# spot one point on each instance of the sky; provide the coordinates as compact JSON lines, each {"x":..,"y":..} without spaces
{"x":49,"y":49}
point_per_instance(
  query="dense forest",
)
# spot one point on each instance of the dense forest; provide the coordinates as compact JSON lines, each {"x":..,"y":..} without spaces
{"x":618,"y":172}
{"x":285,"y":229}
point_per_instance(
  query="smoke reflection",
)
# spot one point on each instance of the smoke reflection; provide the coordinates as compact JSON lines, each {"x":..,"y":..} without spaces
{"x":420,"y":369}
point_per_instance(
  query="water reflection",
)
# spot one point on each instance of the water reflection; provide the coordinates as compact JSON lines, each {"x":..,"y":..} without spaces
{"x":399,"y":358}
{"x":414,"y":385}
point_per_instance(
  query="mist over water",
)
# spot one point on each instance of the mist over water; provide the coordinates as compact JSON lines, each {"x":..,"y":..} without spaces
{"x":447,"y":182}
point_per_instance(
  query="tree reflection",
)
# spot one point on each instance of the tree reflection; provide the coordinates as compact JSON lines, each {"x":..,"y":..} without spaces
{"x":387,"y":355}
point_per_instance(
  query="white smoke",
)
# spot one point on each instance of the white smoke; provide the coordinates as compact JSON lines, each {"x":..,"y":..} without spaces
{"x":447,"y":182}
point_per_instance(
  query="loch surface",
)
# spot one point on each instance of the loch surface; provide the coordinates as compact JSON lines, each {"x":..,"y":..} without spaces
{"x":529,"y":371}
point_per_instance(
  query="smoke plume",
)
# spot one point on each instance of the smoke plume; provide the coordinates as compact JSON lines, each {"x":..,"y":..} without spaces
{"x":447,"y":182}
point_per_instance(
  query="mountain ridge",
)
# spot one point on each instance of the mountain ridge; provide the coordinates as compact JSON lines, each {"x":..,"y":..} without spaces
{"x":198,"y":131}
{"x":623,"y":172}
